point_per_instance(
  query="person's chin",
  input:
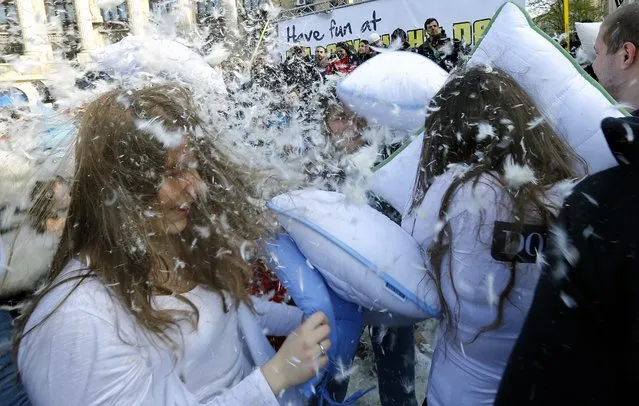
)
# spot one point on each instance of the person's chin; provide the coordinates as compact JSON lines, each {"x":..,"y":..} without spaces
{"x":177,"y":226}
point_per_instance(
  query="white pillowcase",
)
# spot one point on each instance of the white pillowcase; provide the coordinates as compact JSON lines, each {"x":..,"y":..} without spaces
{"x":393,"y":89}
{"x":572,"y":102}
{"x":363,"y":256}
{"x":588,"y":35}
{"x":394,"y":180}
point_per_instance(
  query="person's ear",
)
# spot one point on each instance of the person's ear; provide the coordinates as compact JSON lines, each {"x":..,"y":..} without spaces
{"x":629,"y":54}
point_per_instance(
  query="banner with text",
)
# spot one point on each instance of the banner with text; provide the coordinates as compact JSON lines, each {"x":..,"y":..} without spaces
{"x":461,"y":19}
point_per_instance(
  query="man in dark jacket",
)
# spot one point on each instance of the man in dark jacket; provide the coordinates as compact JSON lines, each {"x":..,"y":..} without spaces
{"x":580,"y":342}
{"x":439,"y":48}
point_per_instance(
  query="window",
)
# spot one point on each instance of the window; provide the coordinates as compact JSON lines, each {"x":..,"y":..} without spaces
{"x":60,"y":10}
{"x":206,"y":9}
{"x":8,"y":13}
{"x":119,"y":13}
{"x":10,"y":32}
{"x":116,"y":25}
{"x":252,"y":5}
{"x":162,"y":6}
{"x":13,"y":97}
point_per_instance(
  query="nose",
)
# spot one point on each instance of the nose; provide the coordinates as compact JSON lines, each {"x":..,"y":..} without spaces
{"x":192,"y":184}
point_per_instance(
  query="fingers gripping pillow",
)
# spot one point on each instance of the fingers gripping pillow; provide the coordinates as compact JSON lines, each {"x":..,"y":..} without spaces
{"x":310,"y":293}
{"x":393,"y":89}
{"x":572,"y":102}
{"x":363,"y":256}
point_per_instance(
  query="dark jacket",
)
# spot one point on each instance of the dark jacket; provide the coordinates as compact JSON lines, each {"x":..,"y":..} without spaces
{"x":444,"y":51}
{"x":580,"y":342}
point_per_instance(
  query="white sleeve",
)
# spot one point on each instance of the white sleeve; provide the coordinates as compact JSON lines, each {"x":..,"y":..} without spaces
{"x":278,"y":319}
{"x":2,"y":258}
{"x":76,"y":358}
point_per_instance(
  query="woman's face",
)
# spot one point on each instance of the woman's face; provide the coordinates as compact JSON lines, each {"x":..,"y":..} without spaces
{"x":180,"y":189}
{"x":341,"y":53}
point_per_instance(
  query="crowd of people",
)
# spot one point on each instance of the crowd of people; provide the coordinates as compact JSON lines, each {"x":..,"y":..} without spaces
{"x":437,"y":46}
{"x":148,"y":299}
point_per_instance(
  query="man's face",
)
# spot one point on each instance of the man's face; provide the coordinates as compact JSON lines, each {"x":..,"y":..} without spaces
{"x":433,"y":29}
{"x":608,"y":67}
{"x":345,"y":129}
{"x":320,"y":53}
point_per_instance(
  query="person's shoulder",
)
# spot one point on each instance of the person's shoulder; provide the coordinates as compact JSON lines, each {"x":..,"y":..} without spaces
{"x":604,"y":203}
{"x":474,"y":195}
{"x":76,"y":289}
{"x":607,"y":186}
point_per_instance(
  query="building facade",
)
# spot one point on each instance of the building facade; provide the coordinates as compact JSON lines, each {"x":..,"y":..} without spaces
{"x":33,"y":31}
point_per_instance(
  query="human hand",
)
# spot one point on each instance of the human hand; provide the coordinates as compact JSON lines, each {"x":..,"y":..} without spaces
{"x":301,"y":356}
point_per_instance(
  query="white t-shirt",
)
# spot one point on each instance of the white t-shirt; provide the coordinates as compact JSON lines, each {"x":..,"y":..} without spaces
{"x":91,"y":351}
{"x":466,"y":372}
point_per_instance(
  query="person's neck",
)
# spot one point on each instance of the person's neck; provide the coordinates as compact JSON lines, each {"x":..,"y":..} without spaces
{"x":629,"y":94}
{"x":167,"y":273}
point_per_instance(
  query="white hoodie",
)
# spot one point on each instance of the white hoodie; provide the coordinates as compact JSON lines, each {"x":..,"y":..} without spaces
{"x":466,"y":372}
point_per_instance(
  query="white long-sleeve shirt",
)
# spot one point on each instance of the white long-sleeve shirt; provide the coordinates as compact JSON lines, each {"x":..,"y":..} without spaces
{"x":91,"y":351}
{"x":466,"y":372}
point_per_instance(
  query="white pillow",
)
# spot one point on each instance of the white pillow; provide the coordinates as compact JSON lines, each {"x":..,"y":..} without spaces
{"x":569,"y":98}
{"x":394,"y":179}
{"x":573,"y":102}
{"x":588,"y":35}
{"x":393,"y":89}
{"x":363,"y":256}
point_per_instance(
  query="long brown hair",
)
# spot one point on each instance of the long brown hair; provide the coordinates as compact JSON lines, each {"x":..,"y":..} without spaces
{"x":483,"y":119}
{"x":120,"y":165}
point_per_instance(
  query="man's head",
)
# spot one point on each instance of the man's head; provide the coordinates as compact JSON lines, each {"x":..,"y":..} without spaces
{"x":343,"y":127}
{"x":375,"y":40}
{"x":617,"y":61}
{"x":320,"y":54}
{"x":399,"y":35}
{"x":432,"y":28}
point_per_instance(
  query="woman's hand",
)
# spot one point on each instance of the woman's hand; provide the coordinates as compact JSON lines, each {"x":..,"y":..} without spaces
{"x":301,"y":356}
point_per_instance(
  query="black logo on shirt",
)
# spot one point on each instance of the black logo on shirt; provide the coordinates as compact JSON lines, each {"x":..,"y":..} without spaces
{"x":522,"y":248}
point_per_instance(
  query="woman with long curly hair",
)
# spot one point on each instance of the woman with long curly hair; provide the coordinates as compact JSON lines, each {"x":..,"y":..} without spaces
{"x":142,"y":304}
{"x":485,"y":195}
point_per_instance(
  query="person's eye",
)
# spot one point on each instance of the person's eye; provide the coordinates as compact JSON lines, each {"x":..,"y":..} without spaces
{"x":173,"y":173}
